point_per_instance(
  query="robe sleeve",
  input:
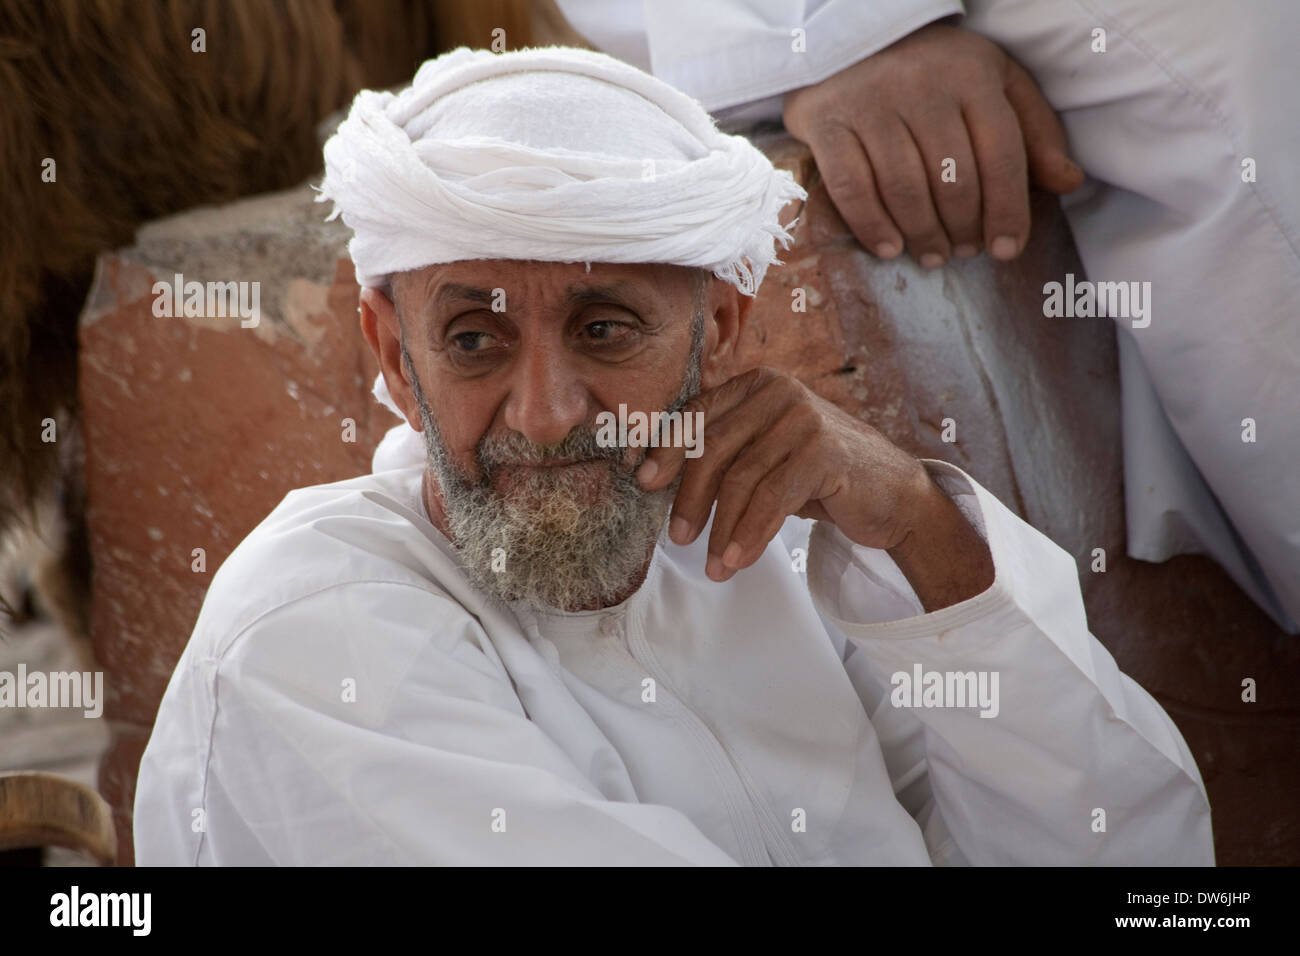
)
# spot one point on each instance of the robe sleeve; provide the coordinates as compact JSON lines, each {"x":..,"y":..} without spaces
{"x":727,"y":53}
{"x":1075,"y":764}
{"x":397,"y":741}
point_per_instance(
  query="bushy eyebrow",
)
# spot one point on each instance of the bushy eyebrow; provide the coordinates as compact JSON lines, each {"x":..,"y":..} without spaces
{"x":454,"y":292}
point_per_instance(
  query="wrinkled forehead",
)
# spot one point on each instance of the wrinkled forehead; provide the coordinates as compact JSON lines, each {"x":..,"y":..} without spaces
{"x":557,"y":113}
{"x":651,"y":284}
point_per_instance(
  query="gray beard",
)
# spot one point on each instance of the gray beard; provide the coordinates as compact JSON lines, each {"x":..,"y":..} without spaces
{"x":550,"y":542}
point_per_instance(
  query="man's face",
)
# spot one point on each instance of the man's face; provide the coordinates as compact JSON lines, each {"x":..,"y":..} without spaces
{"x":510,"y":362}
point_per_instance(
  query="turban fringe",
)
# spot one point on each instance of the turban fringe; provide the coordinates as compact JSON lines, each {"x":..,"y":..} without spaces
{"x":414,"y":198}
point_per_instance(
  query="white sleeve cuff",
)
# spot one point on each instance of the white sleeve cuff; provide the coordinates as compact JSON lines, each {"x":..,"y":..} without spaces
{"x":863,"y":592}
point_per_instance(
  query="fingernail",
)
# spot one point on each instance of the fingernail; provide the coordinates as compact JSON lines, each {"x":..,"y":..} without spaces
{"x":713,"y":567}
{"x":646,"y":473}
{"x":931,"y":260}
{"x":965,"y":251}
{"x":887,"y":250}
{"x":731,"y":557}
{"x":679,"y":529}
{"x":1004,"y":247}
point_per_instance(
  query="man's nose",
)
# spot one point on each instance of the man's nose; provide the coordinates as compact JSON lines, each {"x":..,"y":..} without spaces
{"x":547,"y":399}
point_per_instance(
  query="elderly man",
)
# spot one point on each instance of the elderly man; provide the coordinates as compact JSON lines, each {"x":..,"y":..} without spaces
{"x":548,"y":641}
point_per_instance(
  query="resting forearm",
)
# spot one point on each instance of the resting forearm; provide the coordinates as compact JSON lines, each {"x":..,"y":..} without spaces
{"x":943,"y":557}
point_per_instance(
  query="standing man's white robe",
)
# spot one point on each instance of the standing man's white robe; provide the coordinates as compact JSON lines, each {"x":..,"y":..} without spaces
{"x":1162,"y":121}
{"x":348,"y":698}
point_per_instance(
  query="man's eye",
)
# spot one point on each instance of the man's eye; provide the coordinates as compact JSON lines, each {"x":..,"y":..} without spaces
{"x":472,"y":341}
{"x":607,"y":331}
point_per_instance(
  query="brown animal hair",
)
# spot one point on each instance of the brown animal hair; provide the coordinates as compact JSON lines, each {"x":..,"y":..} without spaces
{"x":139,"y":124}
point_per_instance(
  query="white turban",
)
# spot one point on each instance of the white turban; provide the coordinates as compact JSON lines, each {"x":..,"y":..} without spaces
{"x":554,"y":154}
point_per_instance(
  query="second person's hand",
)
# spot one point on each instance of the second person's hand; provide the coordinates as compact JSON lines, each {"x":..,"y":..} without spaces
{"x":882,"y":129}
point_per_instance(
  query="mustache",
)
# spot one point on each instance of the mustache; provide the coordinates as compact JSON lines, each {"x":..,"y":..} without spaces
{"x":580,"y":445}
{"x":513,"y":449}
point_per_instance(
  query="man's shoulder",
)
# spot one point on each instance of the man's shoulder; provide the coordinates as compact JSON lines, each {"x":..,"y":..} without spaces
{"x":334,"y":617}
{"x":323,"y":544}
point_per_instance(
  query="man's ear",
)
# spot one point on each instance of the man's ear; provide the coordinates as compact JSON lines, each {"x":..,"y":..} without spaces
{"x":383,"y":332}
{"x":726,"y":316}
